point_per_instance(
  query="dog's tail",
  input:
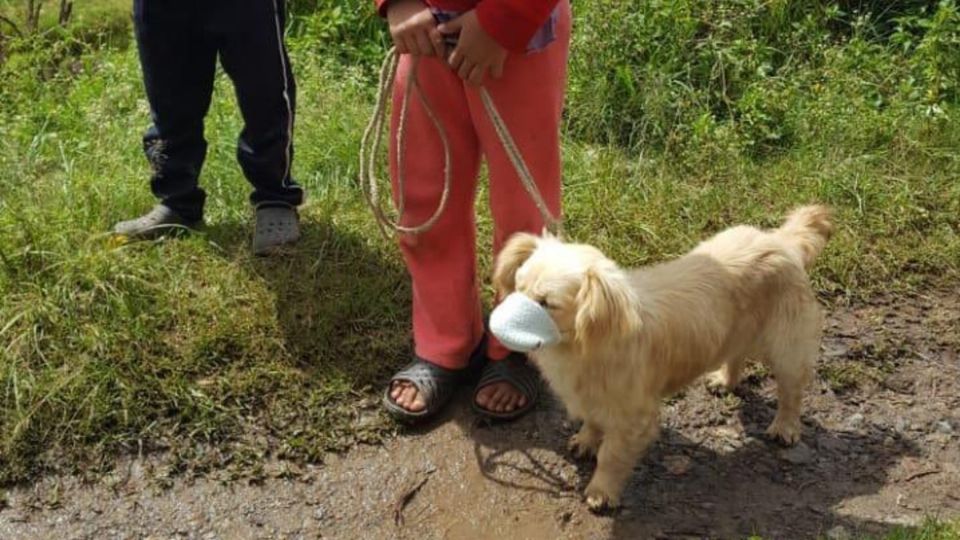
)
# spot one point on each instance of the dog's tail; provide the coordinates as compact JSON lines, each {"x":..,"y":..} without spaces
{"x":808,"y":228}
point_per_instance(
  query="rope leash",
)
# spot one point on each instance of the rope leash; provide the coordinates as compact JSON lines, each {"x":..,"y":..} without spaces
{"x":373,"y":138}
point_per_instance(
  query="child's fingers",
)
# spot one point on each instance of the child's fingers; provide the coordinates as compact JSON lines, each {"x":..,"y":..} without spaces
{"x":400,"y":45}
{"x":476,"y":75}
{"x":436,"y":39}
{"x":456,"y":58}
{"x":496,"y":70}
{"x":423,"y":44}
{"x":411,"y":43}
{"x":452,"y":26}
{"x":465,"y":68}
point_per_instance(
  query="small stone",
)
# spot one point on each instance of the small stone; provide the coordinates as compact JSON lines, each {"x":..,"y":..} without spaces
{"x":944,"y":427}
{"x":838,"y":533}
{"x":938,"y":439}
{"x":677,"y":464}
{"x":727,"y":432}
{"x":902,"y":385}
{"x":855,"y":421}
{"x":901,"y":424}
{"x":798,"y":455}
{"x":730,"y":436}
{"x":832,"y":444}
{"x":817,"y":509}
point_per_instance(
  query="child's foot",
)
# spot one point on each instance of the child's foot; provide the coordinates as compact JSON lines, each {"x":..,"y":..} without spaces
{"x":420,"y":390}
{"x":500,"y":397}
{"x":406,"y":395}
{"x":507,"y":389}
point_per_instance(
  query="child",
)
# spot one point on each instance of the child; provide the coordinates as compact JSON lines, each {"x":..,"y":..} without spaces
{"x":179,"y":42}
{"x":517,"y":50}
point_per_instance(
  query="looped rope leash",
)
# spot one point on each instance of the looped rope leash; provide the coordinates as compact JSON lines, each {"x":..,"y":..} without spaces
{"x":373,"y":137}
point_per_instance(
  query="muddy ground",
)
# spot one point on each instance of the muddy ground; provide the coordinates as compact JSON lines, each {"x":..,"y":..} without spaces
{"x":881,"y":448}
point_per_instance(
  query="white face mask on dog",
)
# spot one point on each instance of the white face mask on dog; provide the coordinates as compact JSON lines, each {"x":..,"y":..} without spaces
{"x":523,"y":325}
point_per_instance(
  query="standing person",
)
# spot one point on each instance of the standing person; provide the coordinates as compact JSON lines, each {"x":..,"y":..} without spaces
{"x":179,"y":42}
{"x":517,"y":50}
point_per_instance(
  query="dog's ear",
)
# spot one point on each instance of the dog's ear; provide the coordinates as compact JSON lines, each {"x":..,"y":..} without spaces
{"x":606,"y":307}
{"x":515,"y":252}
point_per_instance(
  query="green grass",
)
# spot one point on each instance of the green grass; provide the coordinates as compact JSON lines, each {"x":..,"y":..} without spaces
{"x":864,"y":364}
{"x":931,"y":529}
{"x":89,"y":13}
{"x":189,"y":342}
{"x":92,"y":22}
{"x":195,"y":347}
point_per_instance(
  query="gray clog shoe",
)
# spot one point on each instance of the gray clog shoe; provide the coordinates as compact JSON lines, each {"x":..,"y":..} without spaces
{"x":159,"y":221}
{"x":277,"y":227}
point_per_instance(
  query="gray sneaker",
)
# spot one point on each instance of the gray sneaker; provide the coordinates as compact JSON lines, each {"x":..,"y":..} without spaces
{"x":277,"y":227}
{"x":157,"y":222}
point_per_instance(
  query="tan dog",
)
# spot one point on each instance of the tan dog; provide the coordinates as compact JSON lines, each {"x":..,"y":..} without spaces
{"x":631,"y":338}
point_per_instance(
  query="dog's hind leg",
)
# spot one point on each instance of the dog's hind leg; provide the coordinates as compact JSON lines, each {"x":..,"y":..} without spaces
{"x":792,"y":358}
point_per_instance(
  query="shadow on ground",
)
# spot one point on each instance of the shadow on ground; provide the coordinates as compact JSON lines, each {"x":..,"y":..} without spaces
{"x":695,"y":484}
{"x":340,"y":305}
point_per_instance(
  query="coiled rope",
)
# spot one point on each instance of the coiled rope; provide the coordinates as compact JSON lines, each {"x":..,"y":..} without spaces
{"x":373,"y":138}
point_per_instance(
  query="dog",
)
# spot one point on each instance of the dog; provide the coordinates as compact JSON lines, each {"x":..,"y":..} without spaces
{"x":630,"y":338}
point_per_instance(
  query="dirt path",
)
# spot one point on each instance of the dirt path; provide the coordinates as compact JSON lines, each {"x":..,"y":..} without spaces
{"x":881,"y":447}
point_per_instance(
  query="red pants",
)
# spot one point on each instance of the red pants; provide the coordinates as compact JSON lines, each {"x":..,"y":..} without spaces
{"x":447,"y":317}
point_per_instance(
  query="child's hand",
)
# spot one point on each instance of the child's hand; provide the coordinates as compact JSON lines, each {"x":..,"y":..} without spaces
{"x":476,"y":52}
{"x":413,"y":29}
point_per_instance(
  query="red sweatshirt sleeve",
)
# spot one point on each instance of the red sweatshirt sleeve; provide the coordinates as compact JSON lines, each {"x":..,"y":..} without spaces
{"x":513,"y":22}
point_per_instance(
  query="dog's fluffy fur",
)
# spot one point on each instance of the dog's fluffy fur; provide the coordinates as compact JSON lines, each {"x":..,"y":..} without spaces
{"x":631,"y":338}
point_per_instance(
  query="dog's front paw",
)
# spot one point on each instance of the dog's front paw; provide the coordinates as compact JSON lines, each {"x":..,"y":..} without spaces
{"x":583,"y":446}
{"x":599,"y":501}
{"x":788,"y":432}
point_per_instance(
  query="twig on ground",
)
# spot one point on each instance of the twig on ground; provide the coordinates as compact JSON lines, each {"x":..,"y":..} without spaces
{"x":405,"y":497}
{"x":806,"y":484}
{"x":920,"y":474}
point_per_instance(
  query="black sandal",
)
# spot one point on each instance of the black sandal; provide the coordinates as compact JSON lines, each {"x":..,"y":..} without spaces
{"x":517,"y":371}
{"x":434,"y":383}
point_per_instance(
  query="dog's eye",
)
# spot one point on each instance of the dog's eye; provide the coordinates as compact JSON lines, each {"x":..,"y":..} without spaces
{"x":544,"y":304}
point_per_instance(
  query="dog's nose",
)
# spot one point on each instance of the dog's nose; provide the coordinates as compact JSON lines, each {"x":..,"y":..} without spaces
{"x":522,"y":324}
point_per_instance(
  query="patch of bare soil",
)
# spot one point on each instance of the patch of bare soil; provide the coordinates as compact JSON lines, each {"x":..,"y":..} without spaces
{"x":881,"y":447}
